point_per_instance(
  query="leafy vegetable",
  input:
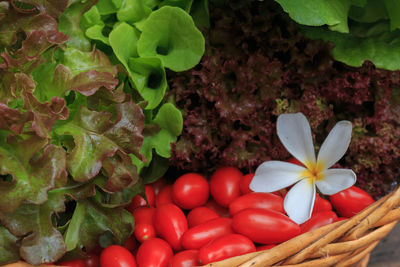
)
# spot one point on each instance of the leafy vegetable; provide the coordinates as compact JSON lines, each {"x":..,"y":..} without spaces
{"x":360,"y":30}
{"x":82,"y":116}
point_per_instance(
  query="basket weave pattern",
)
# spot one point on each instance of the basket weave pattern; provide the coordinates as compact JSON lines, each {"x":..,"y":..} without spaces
{"x":344,"y":243}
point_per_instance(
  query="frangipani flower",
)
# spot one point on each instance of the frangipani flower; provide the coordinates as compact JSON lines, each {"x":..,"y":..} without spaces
{"x":294,"y":132}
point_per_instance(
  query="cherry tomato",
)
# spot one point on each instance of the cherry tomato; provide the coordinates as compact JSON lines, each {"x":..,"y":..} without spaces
{"x":154,"y":252}
{"x":265,"y":247}
{"x":186,"y":258}
{"x":131,"y":244}
{"x":200,"y":215}
{"x":190,"y":191}
{"x":225,"y":247}
{"x":144,"y":215}
{"x":321,"y":205}
{"x":139,"y":201}
{"x":144,"y":231}
{"x":116,"y":256}
{"x":255,"y":200}
{"x":159,"y":184}
{"x":73,"y":263}
{"x":92,"y":260}
{"x":317,"y":220}
{"x":164,"y":196}
{"x":351,"y":201}
{"x":224,"y":185}
{"x":200,"y":235}
{"x":221,"y":211}
{"x":245,"y":182}
{"x":170,"y":223}
{"x":265,"y":226}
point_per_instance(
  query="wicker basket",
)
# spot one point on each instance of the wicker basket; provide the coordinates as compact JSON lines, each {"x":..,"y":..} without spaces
{"x":344,"y":243}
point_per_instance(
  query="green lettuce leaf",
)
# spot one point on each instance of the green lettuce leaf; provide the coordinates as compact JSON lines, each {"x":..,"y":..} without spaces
{"x":35,"y":167}
{"x":96,"y":137}
{"x":9,"y":249}
{"x":169,"y":33}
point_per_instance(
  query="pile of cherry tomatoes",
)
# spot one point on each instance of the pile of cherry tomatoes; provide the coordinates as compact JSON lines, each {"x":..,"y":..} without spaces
{"x":180,"y":225}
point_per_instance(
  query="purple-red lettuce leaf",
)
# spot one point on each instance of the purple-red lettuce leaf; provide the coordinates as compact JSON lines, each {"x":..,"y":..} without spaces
{"x":9,"y":249}
{"x":96,"y":137}
{"x":53,"y":8}
{"x":12,"y":119}
{"x":35,"y":167}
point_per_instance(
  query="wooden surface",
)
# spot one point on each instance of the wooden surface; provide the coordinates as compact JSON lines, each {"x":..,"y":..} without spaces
{"x":387,"y":253}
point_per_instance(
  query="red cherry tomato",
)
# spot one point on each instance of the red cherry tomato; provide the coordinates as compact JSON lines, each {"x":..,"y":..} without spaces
{"x":224,"y":185}
{"x":92,"y":260}
{"x":186,"y":258}
{"x":321,"y":205}
{"x":116,"y":256}
{"x":245,"y":182}
{"x":200,"y":235}
{"x":144,"y":215}
{"x":73,"y":263}
{"x":164,"y":196}
{"x":351,"y":201}
{"x":131,"y":244}
{"x":318,"y":220}
{"x":265,"y":226}
{"x":221,"y":211}
{"x":190,"y":191}
{"x":154,"y":252}
{"x":144,"y":231}
{"x":265,"y":247}
{"x":225,"y":247}
{"x":255,"y":200}
{"x":139,"y":201}
{"x":200,"y":215}
{"x":159,"y":184}
{"x":170,"y":223}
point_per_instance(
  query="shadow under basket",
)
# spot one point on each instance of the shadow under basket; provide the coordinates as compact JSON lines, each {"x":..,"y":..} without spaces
{"x":344,"y":243}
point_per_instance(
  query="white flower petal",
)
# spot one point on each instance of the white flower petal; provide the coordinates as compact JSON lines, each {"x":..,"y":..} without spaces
{"x":335,"y":144}
{"x":295,"y":134}
{"x":271,"y":176}
{"x":299,"y":201}
{"x":336,"y":180}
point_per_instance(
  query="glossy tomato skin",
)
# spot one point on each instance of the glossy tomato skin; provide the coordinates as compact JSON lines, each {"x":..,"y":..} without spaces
{"x":200,"y":235}
{"x":191,"y":190}
{"x":265,"y":226}
{"x":321,"y":205}
{"x":73,"y":263}
{"x":131,"y":244}
{"x":154,"y":252}
{"x":186,"y":258}
{"x":139,"y":201}
{"x":117,"y":256}
{"x":295,"y":161}
{"x":170,"y":223}
{"x":317,"y":220}
{"x":200,"y":215}
{"x":225,"y":185}
{"x":225,"y":247}
{"x":221,"y":211}
{"x":257,"y":200}
{"x":164,"y":196}
{"x":144,"y":231}
{"x":159,"y":184}
{"x":144,"y":215}
{"x":92,"y":260}
{"x":349,"y":202}
{"x":245,"y":182}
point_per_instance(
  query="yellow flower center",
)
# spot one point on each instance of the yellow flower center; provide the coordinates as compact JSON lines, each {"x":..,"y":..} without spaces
{"x":313,"y":172}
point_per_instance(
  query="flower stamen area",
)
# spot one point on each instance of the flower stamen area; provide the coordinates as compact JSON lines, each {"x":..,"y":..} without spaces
{"x":313,"y":172}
